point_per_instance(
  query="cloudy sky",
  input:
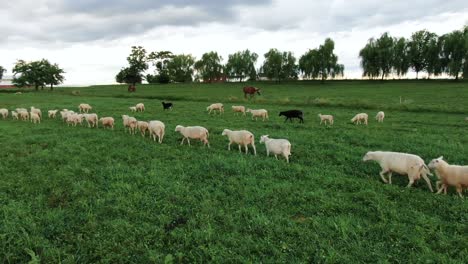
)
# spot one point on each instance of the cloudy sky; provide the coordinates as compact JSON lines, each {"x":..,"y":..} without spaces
{"x":90,"y":39}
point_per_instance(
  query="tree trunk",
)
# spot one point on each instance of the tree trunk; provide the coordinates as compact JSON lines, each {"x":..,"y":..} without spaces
{"x":51,"y":87}
{"x":36,"y":86}
{"x":417,"y":72}
{"x":456,"y":76}
{"x":383,"y":76}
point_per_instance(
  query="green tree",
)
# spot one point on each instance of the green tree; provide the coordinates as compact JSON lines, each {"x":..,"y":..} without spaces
{"x":54,"y":75}
{"x":2,"y":71}
{"x":160,"y":60}
{"x":401,"y":57}
{"x":181,"y":68}
{"x":454,"y":52}
{"x":465,"y":64}
{"x":369,"y":59}
{"x":321,"y":63}
{"x":385,"y":53}
{"x":209,"y":67}
{"x":279,"y":65}
{"x":241,"y":65}
{"x":419,"y":48}
{"x":31,"y":73}
{"x":137,"y":61}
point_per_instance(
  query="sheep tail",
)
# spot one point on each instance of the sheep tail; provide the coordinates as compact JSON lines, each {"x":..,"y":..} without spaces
{"x":426,"y":170}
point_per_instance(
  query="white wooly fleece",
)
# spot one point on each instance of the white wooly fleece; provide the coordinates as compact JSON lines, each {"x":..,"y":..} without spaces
{"x":277,"y":146}
{"x":36,"y":110}
{"x":142,"y":126}
{"x":240,"y":137}
{"x":84,"y":108}
{"x":450,"y":175}
{"x":14,"y":115}
{"x":4,"y":113}
{"x":140,"y":107}
{"x":24,"y":115}
{"x":129,"y":122}
{"x":35,"y":118}
{"x":325,"y":118}
{"x":380,"y":116}
{"x":133,"y":108}
{"x":360,"y":117}
{"x":401,"y":163}
{"x":263,"y":113}
{"x":52,"y":113}
{"x":21,"y":110}
{"x":156,"y":128}
{"x":193,"y":132}
{"x":214,"y":107}
{"x":107,"y":122}
{"x":238,"y":109}
{"x":91,"y":119}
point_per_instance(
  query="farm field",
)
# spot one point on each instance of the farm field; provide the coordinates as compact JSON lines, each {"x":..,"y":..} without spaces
{"x":81,"y":195}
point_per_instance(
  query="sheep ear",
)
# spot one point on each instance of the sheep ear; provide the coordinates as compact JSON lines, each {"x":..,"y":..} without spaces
{"x":441,"y":157}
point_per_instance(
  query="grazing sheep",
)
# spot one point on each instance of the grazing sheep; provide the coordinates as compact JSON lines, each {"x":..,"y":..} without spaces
{"x":35,"y":118}
{"x":21,"y":110}
{"x":360,"y":117}
{"x":107,"y":122}
{"x":52,"y":113}
{"x":453,"y":175}
{"x":380,"y":116}
{"x":401,"y":163}
{"x":65,"y":113}
{"x":37,"y":111}
{"x":215,"y":107}
{"x":241,"y":137}
{"x":91,"y":119}
{"x":193,"y":132}
{"x":277,"y":146}
{"x":325,"y":119}
{"x":24,"y":115}
{"x":18,"y":93}
{"x":258,"y":113}
{"x":167,"y":105}
{"x":143,"y":127}
{"x":292,"y":114}
{"x":14,"y":115}
{"x":238,"y":109}
{"x":133,"y":108}
{"x":156,"y":128}
{"x":4,"y":113}
{"x":140,"y":107}
{"x":71,"y":117}
{"x":84,"y":108}
{"x":129,"y":122}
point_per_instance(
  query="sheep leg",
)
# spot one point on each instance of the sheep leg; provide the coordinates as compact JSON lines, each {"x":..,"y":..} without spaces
{"x":246,"y":149}
{"x":287,"y":158}
{"x":276,"y":156}
{"x":382,"y":175}
{"x":229,"y":146}
{"x":411,"y":181}
{"x":427,"y":181}
{"x":459,"y":190}
{"x":268,"y":153}
{"x":321,"y":121}
{"x":188,"y":140}
{"x":182,"y":141}
{"x":390,"y":177}
{"x":255,"y":150}
{"x":161,"y":136}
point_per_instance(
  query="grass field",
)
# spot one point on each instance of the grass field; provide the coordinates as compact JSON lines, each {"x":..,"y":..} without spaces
{"x":80,"y":195}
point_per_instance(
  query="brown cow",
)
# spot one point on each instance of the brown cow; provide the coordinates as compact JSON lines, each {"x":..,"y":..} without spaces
{"x":251,"y":90}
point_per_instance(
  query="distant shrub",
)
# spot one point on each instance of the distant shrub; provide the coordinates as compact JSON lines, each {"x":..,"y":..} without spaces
{"x":75,"y":92}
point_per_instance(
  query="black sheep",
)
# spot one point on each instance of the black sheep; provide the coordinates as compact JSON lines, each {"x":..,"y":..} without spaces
{"x":292,"y":114}
{"x":167,"y":105}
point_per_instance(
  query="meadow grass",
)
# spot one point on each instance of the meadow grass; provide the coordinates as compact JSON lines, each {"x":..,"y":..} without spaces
{"x":80,"y":195}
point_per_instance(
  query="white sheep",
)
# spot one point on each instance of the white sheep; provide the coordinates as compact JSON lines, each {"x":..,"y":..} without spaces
{"x":401,"y":163}
{"x":84,"y":108}
{"x":325,"y":118}
{"x":91,"y":119}
{"x":258,"y":113}
{"x":241,"y":138}
{"x":238,"y":109}
{"x":215,"y":107}
{"x":107,"y":122}
{"x":35,"y":118}
{"x":277,"y":146}
{"x":129,"y":122}
{"x":21,"y":110}
{"x":70,"y":119}
{"x":4,"y":113}
{"x":449,"y":175}
{"x":140,"y":107}
{"x":52,"y":113}
{"x":380,"y":116}
{"x":193,"y":132}
{"x":360,"y":117}
{"x":65,"y":113}
{"x":14,"y":115}
{"x":143,"y":127}
{"x":156,"y":128}
{"x":133,"y":108}
{"x":24,"y":115}
{"x":37,"y":111}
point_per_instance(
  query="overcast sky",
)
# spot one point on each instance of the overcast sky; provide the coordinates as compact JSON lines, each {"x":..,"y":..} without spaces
{"x":90,"y":39}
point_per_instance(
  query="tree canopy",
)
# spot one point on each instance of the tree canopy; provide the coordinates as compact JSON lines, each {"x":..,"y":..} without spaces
{"x":279,"y":65}
{"x":209,"y":67}
{"x":241,"y":65}
{"x":181,"y":68}
{"x":137,"y":61}
{"x":37,"y":74}
{"x":321,"y":63}
{"x":2,"y":71}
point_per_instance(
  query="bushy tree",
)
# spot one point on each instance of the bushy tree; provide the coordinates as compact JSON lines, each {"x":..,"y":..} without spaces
{"x":241,"y":65}
{"x":401,"y":58}
{"x":209,"y":67}
{"x":137,"y":61}
{"x":370,"y":59}
{"x":2,"y":71}
{"x":378,"y":56}
{"x":160,"y":60}
{"x":37,"y":74}
{"x":279,"y":65}
{"x":454,"y":52}
{"x":419,"y":49}
{"x":321,"y":63}
{"x":181,"y":68}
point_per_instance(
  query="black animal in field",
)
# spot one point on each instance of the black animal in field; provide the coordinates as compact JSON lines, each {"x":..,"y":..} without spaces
{"x":290,"y":114}
{"x":167,"y":106}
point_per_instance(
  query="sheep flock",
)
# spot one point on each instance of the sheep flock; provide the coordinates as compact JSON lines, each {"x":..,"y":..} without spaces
{"x":406,"y":164}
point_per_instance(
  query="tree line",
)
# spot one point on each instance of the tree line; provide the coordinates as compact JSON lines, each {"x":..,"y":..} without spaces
{"x":36,"y":73}
{"x":424,"y":51}
{"x":320,"y":63}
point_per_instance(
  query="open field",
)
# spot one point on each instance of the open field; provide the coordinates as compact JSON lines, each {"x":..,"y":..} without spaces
{"x":80,"y":195}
